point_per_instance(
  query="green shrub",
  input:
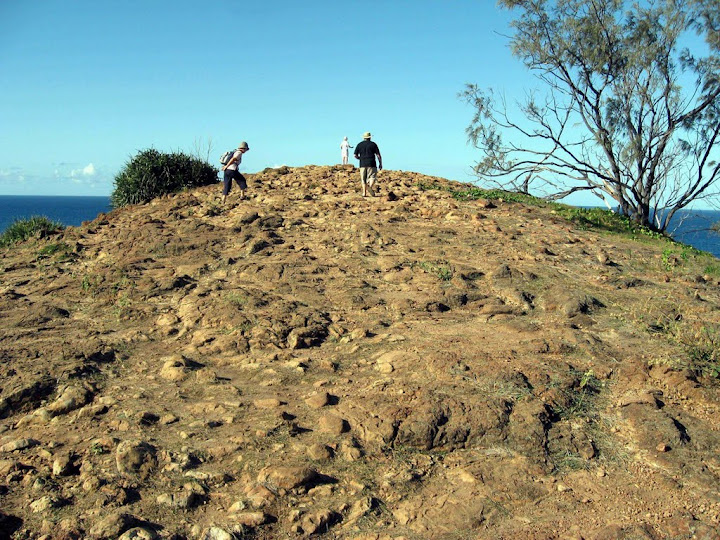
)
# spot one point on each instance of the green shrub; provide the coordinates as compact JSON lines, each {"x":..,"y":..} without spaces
{"x":22,"y":229}
{"x":151,"y":173}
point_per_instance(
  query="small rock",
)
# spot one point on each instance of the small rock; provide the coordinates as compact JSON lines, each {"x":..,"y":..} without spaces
{"x":267,"y":403}
{"x":73,"y":397}
{"x":64,"y":465}
{"x":216,"y":533}
{"x":168,"y":419}
{"x":44,"y":504}
{"x":318,"y":401}
{"x":288,"y":477}
{"x":174,"y":368}
{"x":136,"y":458}
{"x":18,"y":444}
{"x":252,"y":519}
{"x":182,"y":501}
{"x":112,"y":526}
{"x":319,"y":452}
{"x":206,"y":376}
{"x":662,"y":447}
{"x":318,"y":521}
{"x":259,"y":496}
{"x":7,"y":466}
{"x":350,"y":452}
{"x":562,"y":488}
{"x":138,"y":533}
{"x":332,"y":424}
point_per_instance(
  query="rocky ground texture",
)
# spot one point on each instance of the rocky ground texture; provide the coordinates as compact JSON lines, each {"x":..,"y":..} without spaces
{"x":309,"y":362}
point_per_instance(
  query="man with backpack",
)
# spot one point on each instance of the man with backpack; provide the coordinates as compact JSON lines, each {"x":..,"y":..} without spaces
{"x":366,"y":152}
{"x":231,"y":172}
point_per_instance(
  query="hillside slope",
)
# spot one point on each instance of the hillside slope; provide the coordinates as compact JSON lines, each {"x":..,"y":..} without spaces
{"x":312,"y":362}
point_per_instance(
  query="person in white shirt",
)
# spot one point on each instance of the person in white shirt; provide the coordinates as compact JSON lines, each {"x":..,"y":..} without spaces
{"x":344,"y":150}
{"x":231,"y":172}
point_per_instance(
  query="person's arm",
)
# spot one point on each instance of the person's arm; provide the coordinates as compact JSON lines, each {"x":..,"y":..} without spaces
{"x":232,"y":160}
{"x":379,"y":160}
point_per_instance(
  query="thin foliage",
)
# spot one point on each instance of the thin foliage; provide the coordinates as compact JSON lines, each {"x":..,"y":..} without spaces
{"x":630,"y":113}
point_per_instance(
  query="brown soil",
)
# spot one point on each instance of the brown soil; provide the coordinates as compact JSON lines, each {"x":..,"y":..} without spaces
{"x":312,"y":362}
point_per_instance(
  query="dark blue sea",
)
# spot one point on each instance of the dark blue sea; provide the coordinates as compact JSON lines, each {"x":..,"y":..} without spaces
{"x":66,"y":210}
{"x":692,"y":227}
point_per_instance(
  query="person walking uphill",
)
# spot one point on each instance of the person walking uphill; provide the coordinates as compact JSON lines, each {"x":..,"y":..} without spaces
{"x":344,"y":150}
{"x":231,"y":172}
{"x":366,"y":152}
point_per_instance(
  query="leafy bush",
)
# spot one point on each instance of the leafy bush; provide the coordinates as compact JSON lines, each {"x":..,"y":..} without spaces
{"x":151,"y":173}
{"x":22,"y":229}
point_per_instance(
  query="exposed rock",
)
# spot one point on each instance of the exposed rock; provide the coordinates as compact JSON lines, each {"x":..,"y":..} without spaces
{"x":464,"y":368}
{"x":18,"y":444}
{"x":112,"y":526}
{"x":138,"y":533}
{"x":136,"y":458}
{"x":333,"y":424}
{"x":44,"y":504}
{"x":251,"y":519}
{"x":318,"y":400}
{"x":288,"y":477}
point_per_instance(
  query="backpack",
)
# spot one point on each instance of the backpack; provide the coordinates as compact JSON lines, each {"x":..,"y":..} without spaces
{"x":227,"y":156}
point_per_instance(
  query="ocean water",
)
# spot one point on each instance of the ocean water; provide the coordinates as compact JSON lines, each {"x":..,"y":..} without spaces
{"x":693,"y":227}
{"x":690,"y":226}
{"x":71,"y":211}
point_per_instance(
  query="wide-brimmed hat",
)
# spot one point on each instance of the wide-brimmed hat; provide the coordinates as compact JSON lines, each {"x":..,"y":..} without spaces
{"x":367,"y":135}
{"x":244,"y":145}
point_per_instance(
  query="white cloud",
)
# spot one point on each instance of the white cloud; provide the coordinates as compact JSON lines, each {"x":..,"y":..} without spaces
{"x":64,"y":179}
{"x":12,"y":175}
{"x":78,"y":174}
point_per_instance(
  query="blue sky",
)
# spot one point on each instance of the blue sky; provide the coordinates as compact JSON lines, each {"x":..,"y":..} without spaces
{"x":85,"y":85}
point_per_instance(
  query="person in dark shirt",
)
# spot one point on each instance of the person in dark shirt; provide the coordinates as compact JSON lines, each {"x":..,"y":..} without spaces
{"x":366,"y":152}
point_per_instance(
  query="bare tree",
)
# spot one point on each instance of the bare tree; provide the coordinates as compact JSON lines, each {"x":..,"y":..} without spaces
{"x":631,"y":114}
{"x":203,"y":148}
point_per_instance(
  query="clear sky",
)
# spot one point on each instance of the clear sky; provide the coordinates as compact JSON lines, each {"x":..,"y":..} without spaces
{"x":86,"y":84}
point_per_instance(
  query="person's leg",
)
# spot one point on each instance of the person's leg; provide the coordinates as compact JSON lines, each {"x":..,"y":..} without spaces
{"x":371,"y":180}
{"x":363,"y":180}
{"x":242,"y":184}
{"x":227,"y":184}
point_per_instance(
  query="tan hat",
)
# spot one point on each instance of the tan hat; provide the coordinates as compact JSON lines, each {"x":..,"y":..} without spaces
{"x":244,"y":145}
{"x":367,"y":135}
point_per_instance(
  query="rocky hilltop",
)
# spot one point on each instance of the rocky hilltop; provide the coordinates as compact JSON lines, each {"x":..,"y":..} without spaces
{"x":309,"y":362}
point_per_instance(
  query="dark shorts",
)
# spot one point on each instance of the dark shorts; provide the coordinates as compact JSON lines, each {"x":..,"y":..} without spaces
{"x":228,"y":178}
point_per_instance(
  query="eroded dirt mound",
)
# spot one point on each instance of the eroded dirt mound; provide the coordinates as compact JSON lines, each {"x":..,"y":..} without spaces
{"x":312,"y":362}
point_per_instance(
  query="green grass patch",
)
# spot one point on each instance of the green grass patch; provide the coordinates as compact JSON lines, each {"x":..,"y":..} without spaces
{"x":22,"y":229}
{"x":442,"y":269}
{"x":701,"y":343}
{"x":236,"y":299}
{"x":61,"y":251}
{"x":582,"y":218}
